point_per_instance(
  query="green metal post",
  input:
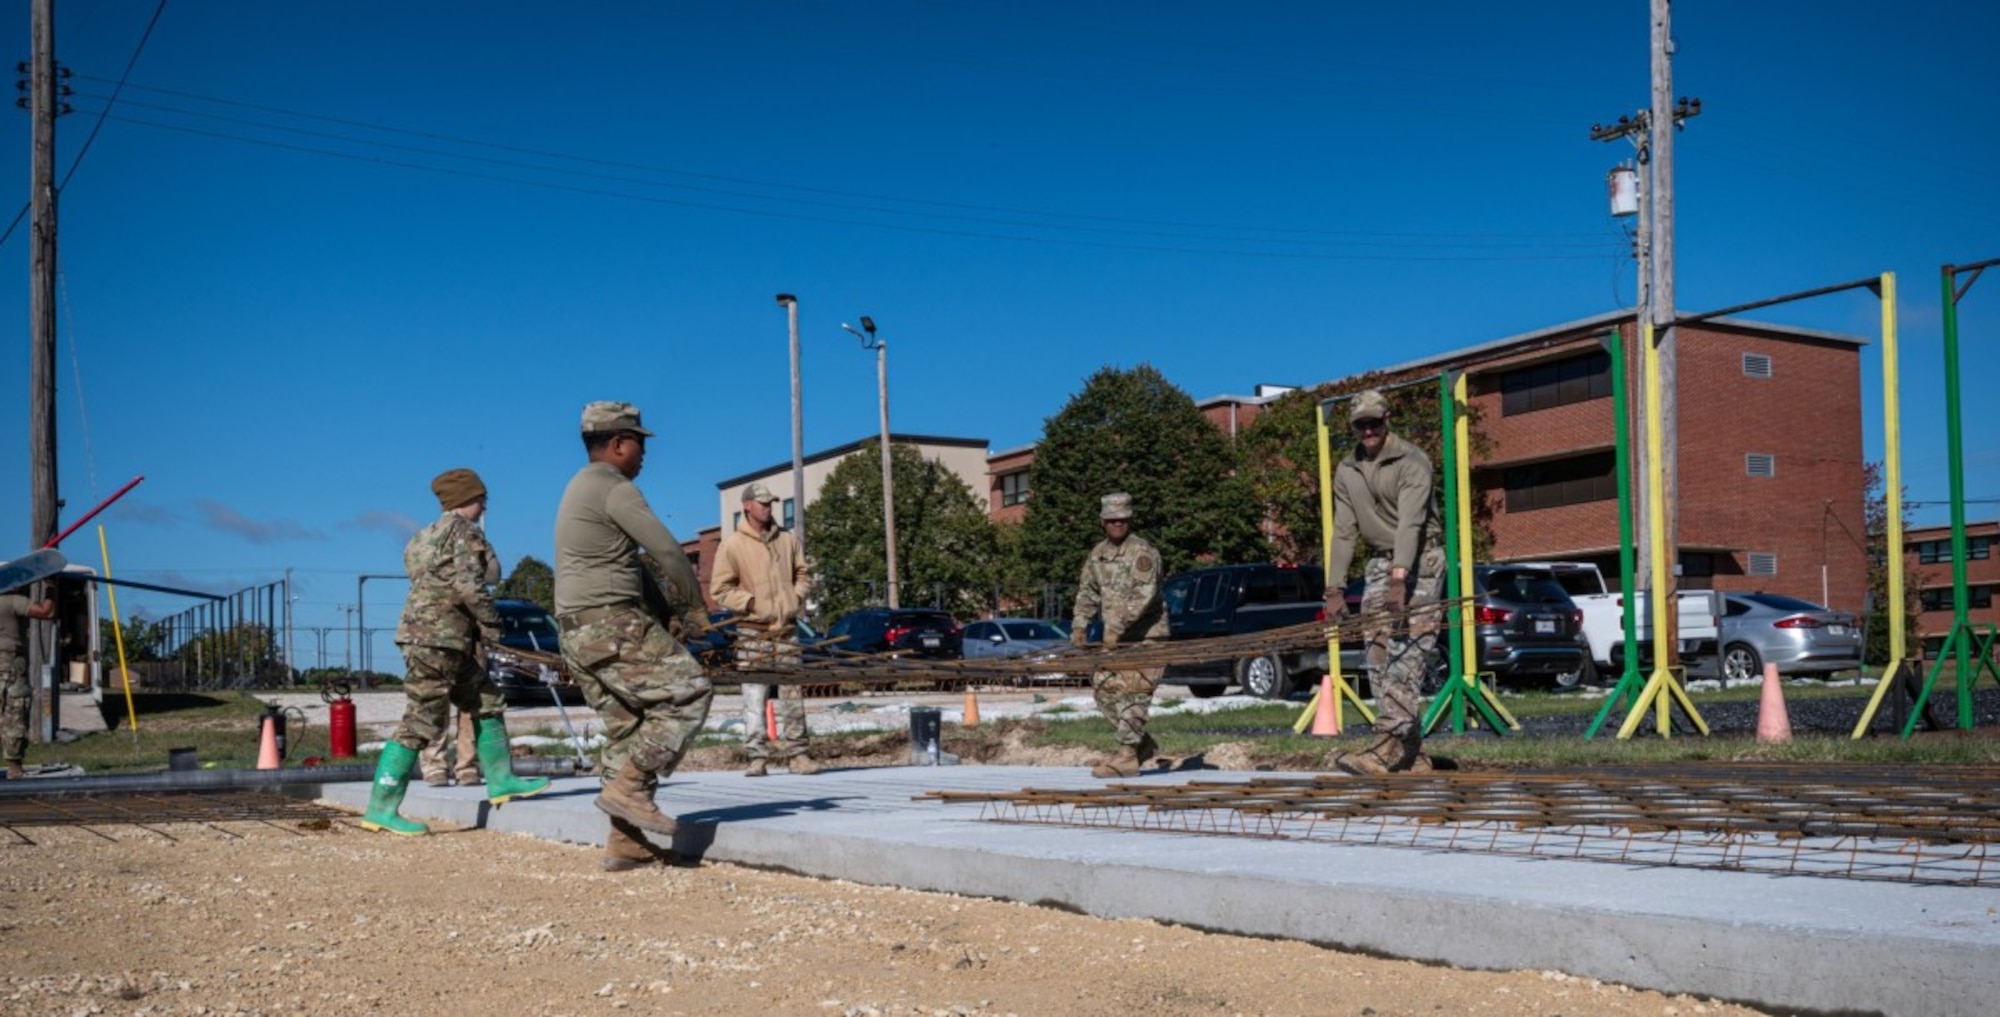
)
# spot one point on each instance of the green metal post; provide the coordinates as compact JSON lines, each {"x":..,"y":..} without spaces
{"x":1448,"y":465}
{"x":1955,"y":461}
{"x":1629,"y":680}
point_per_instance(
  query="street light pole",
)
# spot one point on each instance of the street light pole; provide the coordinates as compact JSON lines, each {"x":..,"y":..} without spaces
{"x":871,"y":341}
{"x":791,"y":305}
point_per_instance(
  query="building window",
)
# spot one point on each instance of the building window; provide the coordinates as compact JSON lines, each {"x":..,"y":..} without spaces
{"x":1938,"y":552}
{"x":1756,"y":365}
{"x":1938,"y":598}
{"x":1572,"y":481}
{"x":1762,"y":563}
{"x":1558,"y":383}
{"x":791,"y":513}
{"x":735,"y":520}
{"x":1013,"y":488}
{"x":1760,"y":464}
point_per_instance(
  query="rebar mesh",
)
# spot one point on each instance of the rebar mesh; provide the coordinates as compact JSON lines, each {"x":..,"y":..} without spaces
{"x":1912,"y":824}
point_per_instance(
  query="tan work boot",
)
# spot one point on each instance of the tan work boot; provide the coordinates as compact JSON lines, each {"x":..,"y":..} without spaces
{"x":468,"y":777}
{"x":1381,"y":757}
{"x":758,"y":768}
{"x":1147,"y":749}
{"x":1123,"y":763}
{"x":628,"y":795}
{"x":626,"y":848}
{"x":804,"y":765}
{"x":437,"y":779}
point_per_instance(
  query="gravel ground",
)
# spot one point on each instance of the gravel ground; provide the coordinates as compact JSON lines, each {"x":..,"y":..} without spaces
{"x":263,"y":919}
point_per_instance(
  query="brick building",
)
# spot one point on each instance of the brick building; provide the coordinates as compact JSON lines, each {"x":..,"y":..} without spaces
{"x":1770,"y":459}
{"x":1927,"y":569}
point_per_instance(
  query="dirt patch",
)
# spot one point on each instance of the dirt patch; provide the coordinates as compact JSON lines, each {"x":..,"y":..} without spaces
{"x":263,"y":919}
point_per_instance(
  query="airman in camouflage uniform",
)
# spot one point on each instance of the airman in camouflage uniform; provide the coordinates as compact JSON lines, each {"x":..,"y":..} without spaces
{"x":447,"y":622}
{"x":15,"y":692}
{"x":1382,"y":494}
{"x":648,"y":690}
{"x":1121,"y":582}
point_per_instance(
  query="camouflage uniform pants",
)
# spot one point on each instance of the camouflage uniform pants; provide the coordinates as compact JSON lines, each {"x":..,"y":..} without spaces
{"x":1400,"y":659}
{"x":15,"y":696}
{"x":1124,"y":697}
{"x":435,"y":680}
{"x":646,"y":688}
{"x":791,"y":711}
{"x":449,"y":753}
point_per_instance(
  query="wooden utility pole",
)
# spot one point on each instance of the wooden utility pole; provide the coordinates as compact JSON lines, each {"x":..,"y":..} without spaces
{"x":43,"y":508}
{"x":1664,"y":123}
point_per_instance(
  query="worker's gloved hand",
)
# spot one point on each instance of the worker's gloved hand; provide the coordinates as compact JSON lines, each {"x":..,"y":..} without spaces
{"x":1336,"y":606}
{"x":1079,"y":635}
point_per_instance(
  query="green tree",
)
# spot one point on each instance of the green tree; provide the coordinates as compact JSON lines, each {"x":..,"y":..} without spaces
{"x":946,"y":549}
{"x":1280,"y":451}
{"x":1133,"y":431}
{"x":531,"y":579}
{"x":144,"y":640}
{"x":1875,"y":519}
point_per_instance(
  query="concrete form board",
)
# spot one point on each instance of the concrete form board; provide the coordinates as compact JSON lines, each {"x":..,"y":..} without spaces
{"x":1786,"y":943}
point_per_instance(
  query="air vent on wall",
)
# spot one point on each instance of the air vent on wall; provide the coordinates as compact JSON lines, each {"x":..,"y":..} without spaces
{"x":1756,"y":365}
{"x":1760,"y":464}
{"x":1762,"y":563}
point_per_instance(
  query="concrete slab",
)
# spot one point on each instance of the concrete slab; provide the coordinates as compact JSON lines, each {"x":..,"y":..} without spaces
{"x":1785,"y":943}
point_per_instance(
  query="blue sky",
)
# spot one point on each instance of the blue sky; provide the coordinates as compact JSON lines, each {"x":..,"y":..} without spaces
{"x":319,"y":253}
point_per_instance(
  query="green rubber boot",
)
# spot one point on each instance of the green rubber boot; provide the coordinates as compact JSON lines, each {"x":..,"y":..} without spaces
{"x":501,"y":784}
{"x":392,"y":780}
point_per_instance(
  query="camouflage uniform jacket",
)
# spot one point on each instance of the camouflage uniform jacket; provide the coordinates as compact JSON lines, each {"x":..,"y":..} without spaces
{"x":450,"y":565}
{"x":1122,"y":581}
{"x":601,"y":524}
{"x":761,"y":575}
{"x":1387,"y":502}
{"x":13,"y":628}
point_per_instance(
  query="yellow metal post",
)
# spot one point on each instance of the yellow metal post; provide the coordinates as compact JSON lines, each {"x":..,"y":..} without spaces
{"x":1662,"y":689}
{"x":1892,"y":489}
{"x":1342,"y":692}
{"x":118,"y":634}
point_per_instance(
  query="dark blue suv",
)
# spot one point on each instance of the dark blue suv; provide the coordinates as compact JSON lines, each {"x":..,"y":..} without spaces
{"x":915,"y":631}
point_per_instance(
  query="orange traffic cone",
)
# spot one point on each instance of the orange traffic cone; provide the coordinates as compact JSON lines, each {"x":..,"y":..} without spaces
{"x":771,"y":719}
{"x":971,"y":718}
{"x":1773,"y":726}
{"x":1326,"y":710}
{"x":267,"y":747}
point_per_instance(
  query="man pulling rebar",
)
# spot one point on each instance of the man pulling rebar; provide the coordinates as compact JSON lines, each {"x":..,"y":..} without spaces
{"x":1383,"y":493}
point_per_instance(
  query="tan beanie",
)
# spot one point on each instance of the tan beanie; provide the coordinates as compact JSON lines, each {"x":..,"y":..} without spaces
{"x":458,"y":487}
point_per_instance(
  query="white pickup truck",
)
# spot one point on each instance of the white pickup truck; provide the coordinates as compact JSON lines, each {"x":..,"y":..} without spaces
{"x":1603,"y":610}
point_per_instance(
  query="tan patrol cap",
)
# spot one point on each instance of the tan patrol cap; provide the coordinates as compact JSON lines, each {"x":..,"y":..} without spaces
{"x":604,"y":416}
{"x":1369,"y":405}
{"x":1116,"y":506}
{"x":758,"y":492}
{"x":457,"y":487}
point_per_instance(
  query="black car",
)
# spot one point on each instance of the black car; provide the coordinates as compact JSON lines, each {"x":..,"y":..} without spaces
{"x":1527,"y":627}
{"x":526,"y":678}
{"x":915,"y":631}
{"x":1231,"y":600}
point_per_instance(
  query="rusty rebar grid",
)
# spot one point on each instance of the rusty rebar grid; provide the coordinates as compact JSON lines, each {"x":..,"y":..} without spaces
{"x":155,"y":810}
{"x":1920,"y":824}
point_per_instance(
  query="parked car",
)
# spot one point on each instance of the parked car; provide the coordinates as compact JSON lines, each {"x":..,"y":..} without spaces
{"x":1228,"y":600}
{"x":1698,"y":615}
{"x":1797,"y":635}
{"x":1526,"y":626}
{"x":525,"y":625}
{"x":712,"y":647}
{"x":1011,"y":637}
{"x":916,"y":631}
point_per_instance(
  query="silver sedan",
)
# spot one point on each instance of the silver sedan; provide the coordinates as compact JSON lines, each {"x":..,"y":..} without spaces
{"x":1797,"y":635}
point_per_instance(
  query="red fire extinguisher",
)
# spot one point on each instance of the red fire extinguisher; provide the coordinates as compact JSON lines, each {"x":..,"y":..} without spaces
{"x":339,"y":719}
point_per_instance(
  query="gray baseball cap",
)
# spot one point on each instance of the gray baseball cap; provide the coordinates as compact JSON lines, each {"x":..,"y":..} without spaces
{"x":1369,"y":405}
{"x":605,"y":416}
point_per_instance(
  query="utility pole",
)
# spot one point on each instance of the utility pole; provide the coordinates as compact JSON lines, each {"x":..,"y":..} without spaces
{"x":1651,"y":132}
{"x":42,"y":491}
{"x":874,"y":342}
{"x":347,"y":629}
{"x":791,"y":305}
{"x":1664,"y":124}
{"x":291,"y":672}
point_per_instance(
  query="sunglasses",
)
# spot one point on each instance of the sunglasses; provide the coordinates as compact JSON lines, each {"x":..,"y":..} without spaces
{"x":1375,"y":424}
